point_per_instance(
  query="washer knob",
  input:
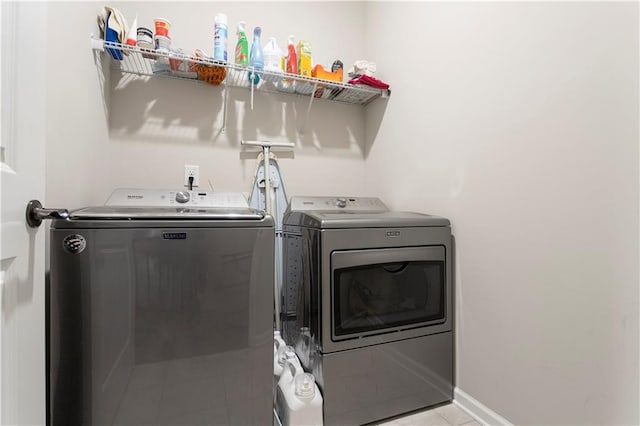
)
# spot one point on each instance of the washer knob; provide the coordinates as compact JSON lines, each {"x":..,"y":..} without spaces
{"x":182,"y":196}
{"x":341,"y":202}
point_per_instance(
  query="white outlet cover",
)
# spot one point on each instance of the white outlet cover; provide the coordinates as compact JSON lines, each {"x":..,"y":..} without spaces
{"x":191,"y":170}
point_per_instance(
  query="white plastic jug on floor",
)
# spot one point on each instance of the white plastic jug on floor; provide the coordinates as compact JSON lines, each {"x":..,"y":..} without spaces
{"x":298,"y":399}
{"x":279,"y":347}
{"x":282,"y":354}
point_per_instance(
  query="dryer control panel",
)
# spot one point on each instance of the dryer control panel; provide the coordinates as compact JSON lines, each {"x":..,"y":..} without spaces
{"x":129,"y":197}
{"x":354,"y":204}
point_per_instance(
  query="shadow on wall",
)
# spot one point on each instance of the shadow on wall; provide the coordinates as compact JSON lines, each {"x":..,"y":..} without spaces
{"x":188,"y":112}
{"x":162,"y":109}
{"x":374,"y":115}
{"x":102,"y":66}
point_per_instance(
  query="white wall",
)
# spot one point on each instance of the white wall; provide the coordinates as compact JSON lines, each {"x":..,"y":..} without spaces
{"x":143,"y":132}
{"x":519,"y":122}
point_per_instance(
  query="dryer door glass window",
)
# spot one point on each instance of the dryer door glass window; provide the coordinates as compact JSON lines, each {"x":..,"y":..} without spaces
{"x":381,"y":297}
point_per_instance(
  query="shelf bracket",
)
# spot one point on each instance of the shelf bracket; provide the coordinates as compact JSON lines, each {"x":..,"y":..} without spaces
{"x":224,"y":107}
{"x":97,"y":44}
{"x":253,"y":81}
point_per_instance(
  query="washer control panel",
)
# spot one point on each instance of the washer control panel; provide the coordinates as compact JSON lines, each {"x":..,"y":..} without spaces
{"x":126,"y":197}
{"x":354,"y":204}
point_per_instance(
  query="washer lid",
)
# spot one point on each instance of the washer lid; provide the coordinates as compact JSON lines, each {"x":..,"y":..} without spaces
{"x":166,"y":213}
{"x":347,"y":219}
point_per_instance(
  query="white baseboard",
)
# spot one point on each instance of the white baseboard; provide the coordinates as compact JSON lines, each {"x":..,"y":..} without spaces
{"x":480,"y":412}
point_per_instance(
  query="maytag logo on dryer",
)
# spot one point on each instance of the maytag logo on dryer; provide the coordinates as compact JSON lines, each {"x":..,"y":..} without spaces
{"x":74,"y":243}
{"x":135,"y":196}
{"x":392,"y":234}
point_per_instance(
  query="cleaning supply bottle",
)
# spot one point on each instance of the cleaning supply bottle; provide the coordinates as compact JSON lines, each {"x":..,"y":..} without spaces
{"x":304,"y":58}
{"x":256,"y":57}
{"x":132,"y":35}
{"x":272,"y":56}
{"x":242,"y":46}
{"x":292,"y":58}
{"x":220,"y":38}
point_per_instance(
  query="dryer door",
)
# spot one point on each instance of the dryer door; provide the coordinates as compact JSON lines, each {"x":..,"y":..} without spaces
{"x":382,"y":295}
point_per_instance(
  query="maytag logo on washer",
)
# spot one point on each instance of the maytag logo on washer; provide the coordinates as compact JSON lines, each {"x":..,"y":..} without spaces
{"x":74,"y":243}
{"x":393,"y":233}
{"x":174,"y":235}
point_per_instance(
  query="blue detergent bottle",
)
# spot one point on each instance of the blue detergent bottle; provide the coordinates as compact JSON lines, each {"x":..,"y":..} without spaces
{"x":256,"y":58}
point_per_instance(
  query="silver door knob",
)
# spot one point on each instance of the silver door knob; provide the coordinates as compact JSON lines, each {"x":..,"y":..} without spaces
{"x":36,"y":213}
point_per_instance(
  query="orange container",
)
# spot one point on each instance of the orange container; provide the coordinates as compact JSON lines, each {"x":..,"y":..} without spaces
{"x":162,"y":27}
{"x":319,"y":72}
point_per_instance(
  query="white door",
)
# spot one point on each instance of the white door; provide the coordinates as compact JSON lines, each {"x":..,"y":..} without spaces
{"x":22,"y":249}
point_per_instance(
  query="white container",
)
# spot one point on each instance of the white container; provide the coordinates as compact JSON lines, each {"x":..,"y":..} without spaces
{"x":279,"y":347}
{"x":220,"y":38}
{"x":162,"y":43}
{"x":273,"y":56}
{"x":298,"y":398}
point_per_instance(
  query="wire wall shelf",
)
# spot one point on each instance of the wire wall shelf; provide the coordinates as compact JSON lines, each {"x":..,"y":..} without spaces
{"x":149,"y":62}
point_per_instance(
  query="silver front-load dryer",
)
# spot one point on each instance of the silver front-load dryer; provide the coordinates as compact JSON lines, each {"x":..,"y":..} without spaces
{"x":368,"y":305}
{"x":161,"y":312}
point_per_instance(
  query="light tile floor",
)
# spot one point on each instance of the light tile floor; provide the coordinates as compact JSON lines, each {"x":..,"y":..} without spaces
{"x":445,"y":415}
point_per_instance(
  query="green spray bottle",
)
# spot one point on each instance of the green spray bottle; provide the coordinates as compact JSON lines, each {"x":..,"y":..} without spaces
{"x":242,"y":46}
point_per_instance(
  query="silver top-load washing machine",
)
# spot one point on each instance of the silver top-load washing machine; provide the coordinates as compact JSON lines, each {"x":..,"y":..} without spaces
{"x":160,"y":311}
{"x":367,"y":304}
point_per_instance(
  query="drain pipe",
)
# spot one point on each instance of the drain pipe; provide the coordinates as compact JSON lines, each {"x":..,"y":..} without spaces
{"x":266,"y":151}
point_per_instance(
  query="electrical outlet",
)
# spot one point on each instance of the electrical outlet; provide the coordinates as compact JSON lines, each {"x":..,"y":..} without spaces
{"x":189,"y":171}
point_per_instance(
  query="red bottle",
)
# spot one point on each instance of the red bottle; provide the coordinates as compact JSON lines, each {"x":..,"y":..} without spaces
{"x":292,"y":58}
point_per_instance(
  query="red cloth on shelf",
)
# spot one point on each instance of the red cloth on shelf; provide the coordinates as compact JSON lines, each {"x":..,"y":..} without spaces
{"x":369,"y":81}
